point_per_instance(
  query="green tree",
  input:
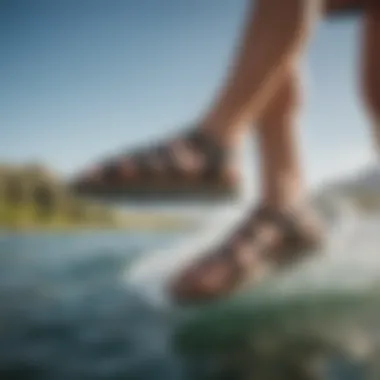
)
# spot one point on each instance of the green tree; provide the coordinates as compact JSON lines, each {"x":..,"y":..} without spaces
{"x":13,"y":190}
{"x":44,"y":200}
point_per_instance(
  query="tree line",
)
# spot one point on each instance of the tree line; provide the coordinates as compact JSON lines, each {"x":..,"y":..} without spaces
{"x":33,"y":195}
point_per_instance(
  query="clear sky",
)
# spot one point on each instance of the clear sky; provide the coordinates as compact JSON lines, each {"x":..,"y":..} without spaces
{"x":82,"y":78}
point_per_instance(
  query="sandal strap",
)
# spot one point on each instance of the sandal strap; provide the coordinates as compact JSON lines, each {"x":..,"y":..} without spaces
{"x":292,"y":221}
{"x":110,"y":171}
{"x":214,"y":156}
{"x":288,"y":221}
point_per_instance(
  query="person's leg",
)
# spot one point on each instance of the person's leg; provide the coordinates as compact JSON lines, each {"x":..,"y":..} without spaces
{"x":275,"y":34}
{"x":371,"y":66}
{"x":282,"y":182}
{"x":281,"y":222}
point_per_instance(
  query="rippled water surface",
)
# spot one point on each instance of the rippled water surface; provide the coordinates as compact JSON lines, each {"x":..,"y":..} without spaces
{"x":68,"y":312}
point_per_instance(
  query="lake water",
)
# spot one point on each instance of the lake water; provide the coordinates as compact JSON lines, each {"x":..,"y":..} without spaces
{"x":67,"y":311}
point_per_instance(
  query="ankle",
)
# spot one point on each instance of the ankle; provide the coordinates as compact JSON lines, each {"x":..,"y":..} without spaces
{"x":281,"y":202}
{"x":226,"y":133}
{"x":224,"y":139}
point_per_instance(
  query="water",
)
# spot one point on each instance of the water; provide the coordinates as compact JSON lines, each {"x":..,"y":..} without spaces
{"x":66,"y":313}
{"x":69,"y":310}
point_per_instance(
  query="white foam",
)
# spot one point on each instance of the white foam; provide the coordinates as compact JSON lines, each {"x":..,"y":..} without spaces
{"x":151,"y":273}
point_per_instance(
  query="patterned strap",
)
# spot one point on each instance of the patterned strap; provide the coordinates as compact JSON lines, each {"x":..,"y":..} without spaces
{"x":288,"y":221}
{"x":214,"y":157}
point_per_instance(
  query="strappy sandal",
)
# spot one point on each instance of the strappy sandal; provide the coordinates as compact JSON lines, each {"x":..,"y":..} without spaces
{"x":191,"y":166}
{"x":267,"y":241}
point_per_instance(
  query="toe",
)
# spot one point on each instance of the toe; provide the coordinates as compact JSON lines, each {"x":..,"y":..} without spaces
{"x":204,"y":281}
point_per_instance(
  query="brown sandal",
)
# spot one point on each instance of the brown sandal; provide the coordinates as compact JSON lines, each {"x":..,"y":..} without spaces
{"x":192,"y":166}
{"x":250,"y":251}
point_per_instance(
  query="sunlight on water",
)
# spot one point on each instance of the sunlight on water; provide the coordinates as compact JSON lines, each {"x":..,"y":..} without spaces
{"x":93,"y":305}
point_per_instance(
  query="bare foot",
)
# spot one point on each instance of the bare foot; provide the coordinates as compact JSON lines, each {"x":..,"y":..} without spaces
{"x":266,"y":240}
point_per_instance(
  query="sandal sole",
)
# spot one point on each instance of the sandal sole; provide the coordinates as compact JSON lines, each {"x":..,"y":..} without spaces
{"x":155,"y":192}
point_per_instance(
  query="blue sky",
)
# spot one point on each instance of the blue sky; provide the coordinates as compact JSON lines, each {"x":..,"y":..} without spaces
{"x":82,"y":78}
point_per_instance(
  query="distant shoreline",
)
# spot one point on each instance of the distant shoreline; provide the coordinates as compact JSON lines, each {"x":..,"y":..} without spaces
{"x":32,"y":199}
{"x":133,"y":222}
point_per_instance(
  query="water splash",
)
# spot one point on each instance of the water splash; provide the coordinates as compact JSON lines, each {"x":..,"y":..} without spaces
{"x":150,"y":275}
